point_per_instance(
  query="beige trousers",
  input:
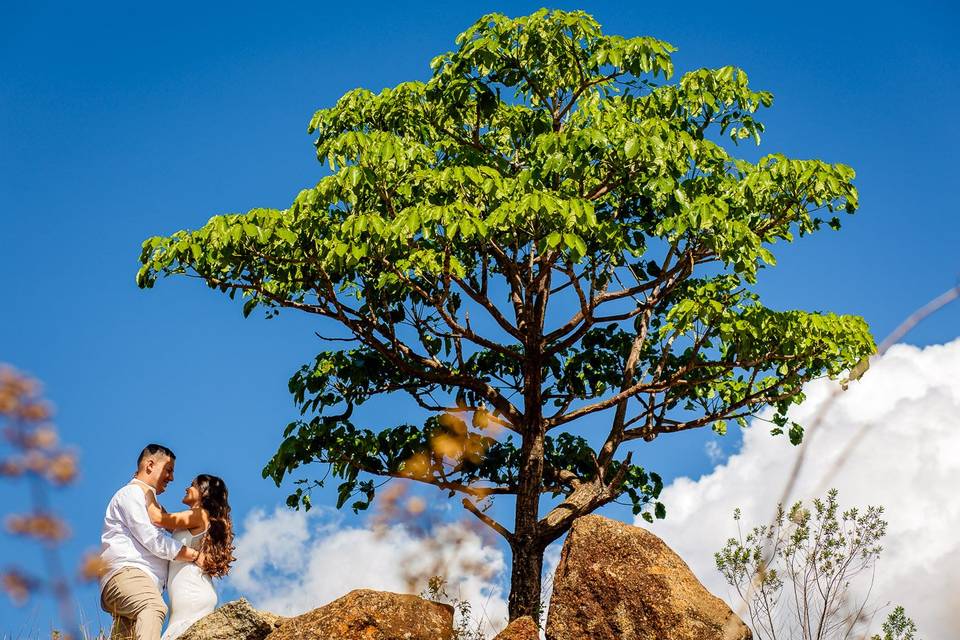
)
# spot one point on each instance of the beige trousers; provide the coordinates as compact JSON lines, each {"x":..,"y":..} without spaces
{"x":138,"y":609}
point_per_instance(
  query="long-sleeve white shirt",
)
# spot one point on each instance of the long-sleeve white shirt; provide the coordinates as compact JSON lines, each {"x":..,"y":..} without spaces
{"x":129,"y":539}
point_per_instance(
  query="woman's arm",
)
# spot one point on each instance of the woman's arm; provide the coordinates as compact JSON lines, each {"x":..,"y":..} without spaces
{"x":134,"y":515}
{"x":189,"y":519}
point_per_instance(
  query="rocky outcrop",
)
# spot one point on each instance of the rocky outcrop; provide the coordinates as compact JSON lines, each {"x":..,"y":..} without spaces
{"x":520,"y":629}
{"x":371,"y":615}
{"x":614,"y":582}
{"x":236,"y":620}
{"x":620,"y":582}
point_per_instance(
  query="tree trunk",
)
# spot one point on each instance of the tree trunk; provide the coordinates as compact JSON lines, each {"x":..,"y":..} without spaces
{"x":526,"y":545}
{"x":525,"y":580}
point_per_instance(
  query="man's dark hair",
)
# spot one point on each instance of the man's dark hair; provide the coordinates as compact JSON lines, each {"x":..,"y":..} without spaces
{"x":152,"y":449}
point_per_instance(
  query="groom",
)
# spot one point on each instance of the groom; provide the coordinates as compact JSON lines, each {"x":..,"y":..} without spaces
{"x":134,"y":552}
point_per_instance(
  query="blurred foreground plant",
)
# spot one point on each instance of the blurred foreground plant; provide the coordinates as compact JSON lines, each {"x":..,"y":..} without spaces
{"x":443,"y":559}
{"x":795,"y":574}
{"x":30,"y":450}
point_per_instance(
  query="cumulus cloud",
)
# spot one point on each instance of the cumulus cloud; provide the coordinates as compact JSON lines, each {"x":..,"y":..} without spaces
{"x":908,"y":461}
{"x":290,"y":562}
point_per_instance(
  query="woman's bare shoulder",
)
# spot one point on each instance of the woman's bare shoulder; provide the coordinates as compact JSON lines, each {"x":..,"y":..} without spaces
{"x":203,"y":519}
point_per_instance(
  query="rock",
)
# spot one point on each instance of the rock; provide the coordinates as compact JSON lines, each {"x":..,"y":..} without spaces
{"x":273,"y":619}
{"x":520,"y":629}
{"x":364,"y":614}
{"x":620,"y":582}
{"x":236,"y":620}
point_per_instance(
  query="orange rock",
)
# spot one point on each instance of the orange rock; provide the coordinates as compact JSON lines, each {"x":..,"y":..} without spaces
{"x":520,"y":629}
{"x":364,"y":614}
{"x":620,"y":582}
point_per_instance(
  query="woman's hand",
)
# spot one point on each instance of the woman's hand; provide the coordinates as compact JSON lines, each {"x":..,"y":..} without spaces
{"x":187,"y":554}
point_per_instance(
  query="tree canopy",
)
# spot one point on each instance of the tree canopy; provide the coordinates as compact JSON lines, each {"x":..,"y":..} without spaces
{"x":548,"y":229}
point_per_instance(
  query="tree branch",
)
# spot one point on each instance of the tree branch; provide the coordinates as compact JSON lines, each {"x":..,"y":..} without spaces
{"x":487,"y":520}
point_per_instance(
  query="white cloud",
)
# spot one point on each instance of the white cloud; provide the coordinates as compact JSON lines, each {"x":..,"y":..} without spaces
{"x":289,"y":562}
{"x":909,"y":462}
{"x":551,"y":558}
{"x":714,"y":451}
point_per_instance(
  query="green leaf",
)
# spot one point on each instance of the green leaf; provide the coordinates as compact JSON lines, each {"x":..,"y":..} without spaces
{"x":796,"y":433}
{"x":287,"y":235}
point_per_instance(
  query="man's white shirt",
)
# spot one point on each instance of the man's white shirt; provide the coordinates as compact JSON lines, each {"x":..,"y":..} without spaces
{"x":129,"y":539}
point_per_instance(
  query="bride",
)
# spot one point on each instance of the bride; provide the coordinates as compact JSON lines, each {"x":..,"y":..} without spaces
{"x":206,"y":527}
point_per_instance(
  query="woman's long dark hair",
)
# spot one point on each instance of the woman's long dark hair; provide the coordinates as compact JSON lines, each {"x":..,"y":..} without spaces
{"x":217,"y":545}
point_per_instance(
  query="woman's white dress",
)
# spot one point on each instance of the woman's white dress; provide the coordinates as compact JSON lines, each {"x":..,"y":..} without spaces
{"x":190,"y":590}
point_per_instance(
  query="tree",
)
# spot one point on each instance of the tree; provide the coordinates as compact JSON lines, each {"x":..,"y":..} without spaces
{"x":795,"y":574}
{"x":546,"y":234}
{"x":898,"y":627}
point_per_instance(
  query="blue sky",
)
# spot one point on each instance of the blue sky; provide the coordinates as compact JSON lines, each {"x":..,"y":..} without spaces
{"x":118,"y":122}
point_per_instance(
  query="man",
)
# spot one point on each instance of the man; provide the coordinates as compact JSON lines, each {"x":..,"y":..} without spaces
{"x":135,"y":553}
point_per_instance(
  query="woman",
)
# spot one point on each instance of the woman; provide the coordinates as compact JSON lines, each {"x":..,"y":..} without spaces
{"x":206,"y":527}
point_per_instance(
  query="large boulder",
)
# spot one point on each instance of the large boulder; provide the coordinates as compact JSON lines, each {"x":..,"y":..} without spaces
{"x":236,"y":620}
{"x":364,"y":614}
{"x":620,"y":582}
{"x":520,"y":629}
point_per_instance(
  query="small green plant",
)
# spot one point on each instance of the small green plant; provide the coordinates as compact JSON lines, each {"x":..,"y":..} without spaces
{"x":795,"y":574}
{"x":898,"y":627}
{"x":465,"y":625}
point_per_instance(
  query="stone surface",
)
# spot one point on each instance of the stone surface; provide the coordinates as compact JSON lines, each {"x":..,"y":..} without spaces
{"x":371,"y":615}
{"x":236,"y":620}
{"x":620,"y":582}
{"x":520,"y":629}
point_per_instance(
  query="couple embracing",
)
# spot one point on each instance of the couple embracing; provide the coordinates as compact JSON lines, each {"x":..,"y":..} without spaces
{"x":144,"y":549}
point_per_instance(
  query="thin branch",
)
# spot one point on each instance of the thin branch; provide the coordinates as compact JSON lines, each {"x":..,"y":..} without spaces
{"x":487,"y":520}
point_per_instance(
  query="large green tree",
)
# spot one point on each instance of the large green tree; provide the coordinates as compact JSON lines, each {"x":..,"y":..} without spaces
{"x":549,"y":247}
